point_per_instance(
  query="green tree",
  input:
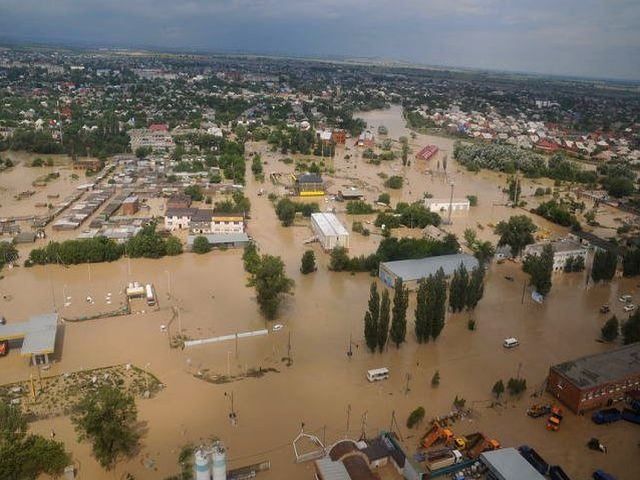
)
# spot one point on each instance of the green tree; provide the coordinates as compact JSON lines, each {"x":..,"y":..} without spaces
{"x":405,"y":153}
{"x":27,"y":456}
{"x":611,"y":329}
{"x":498,"y":389}
{"x":271,"y":282}
{"x":339,"y":259}
{"x":286,"y":212}
{"x":308,"y":262}
{"x":394,"y":182}
{"x":459,"y":289}
{"x":384,"y":198}
{"x":415,"y":417}
{"x":517,"y":232}
{"x":516,"y":386}
{"x":8,"y":253}
{"x":476,"y":287}
{"x":251,"y":258}
{"x":142,"y":152}
{"x":107,"y":418}
{"x":631,"y":329}
{"x":374,"y":302}
{"x":423,"y":318}
{"x":604,"y":266}
{"x":437,"y":299}
{"x":540,"y":269}
{"x":173,"y":246}
{"x":398,"y":330}
{"x":201,"y":245}
{"x":195,"y":192}
{"x":256,"y":165}
{"x":384,"y":319}
{"x":370,"y":331}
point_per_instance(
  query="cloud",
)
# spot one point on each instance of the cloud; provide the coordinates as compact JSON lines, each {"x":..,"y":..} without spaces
{"x":586,"y":37}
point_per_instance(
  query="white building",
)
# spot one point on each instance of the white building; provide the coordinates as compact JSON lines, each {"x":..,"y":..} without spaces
{"x":562,"y":251}
{"x":439,"y":205}
{"x":330,"y":232}
{"x":178,"y":218}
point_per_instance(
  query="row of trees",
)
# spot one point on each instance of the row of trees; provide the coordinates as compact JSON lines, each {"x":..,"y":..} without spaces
{"x":466,"y":290}
{"x":147,"y":243}
{"x":557,"y":212}
{"x":430,"y":307}
{"x":376,"y":319}
{"x":630,"y":329}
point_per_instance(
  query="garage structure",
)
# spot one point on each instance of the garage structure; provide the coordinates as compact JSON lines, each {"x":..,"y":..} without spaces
{"x":412,"y":271}
{"x":508,"y":464}
{"x":329,"y":231}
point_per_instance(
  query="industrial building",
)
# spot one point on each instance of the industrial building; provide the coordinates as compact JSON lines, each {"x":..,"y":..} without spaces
{"x":427,"y":152}
{"x":563,"y":250}
{"x":309,"y":185}
{"x":38,"y":336}
{"x":329,"y":231}
{"x":508,"y":464}
{"x":596,"y":381}
{"x":130,"y":205}
{"x":411,"y":271}
{"x":222,"y":240}
{"x":439,"y":205}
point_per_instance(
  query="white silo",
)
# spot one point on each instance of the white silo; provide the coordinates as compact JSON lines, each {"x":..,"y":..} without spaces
{"x":219,"y":456}
{"x":203,"y":470}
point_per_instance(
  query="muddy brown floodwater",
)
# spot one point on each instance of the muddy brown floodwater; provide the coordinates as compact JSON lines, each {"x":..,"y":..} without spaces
{"x":212,"y":298}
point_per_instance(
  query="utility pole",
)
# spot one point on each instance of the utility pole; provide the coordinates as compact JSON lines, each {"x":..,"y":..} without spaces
{"x":363,"y":427}
{"x":350,"y":352}
{"x":407,"y":389}
{"x":236,"y":345}
{"x":450,"y":204}
{"x":524,"y":289}
{"x":346,"y":434}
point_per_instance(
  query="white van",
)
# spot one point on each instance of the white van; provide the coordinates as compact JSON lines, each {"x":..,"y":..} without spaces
{"x":511,"y":342}
{"x":377,"y":374}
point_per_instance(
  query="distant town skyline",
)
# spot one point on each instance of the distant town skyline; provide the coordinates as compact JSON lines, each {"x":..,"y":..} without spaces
{"x":589,"y":38}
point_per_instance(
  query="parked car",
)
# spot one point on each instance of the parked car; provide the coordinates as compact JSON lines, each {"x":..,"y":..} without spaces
{"x":629,"y":308}
{"x":605,"y":309}
{"x":608,"y":415}
{"x":625,"y":298}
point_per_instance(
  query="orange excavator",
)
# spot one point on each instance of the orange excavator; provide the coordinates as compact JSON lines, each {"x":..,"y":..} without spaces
{"x":553,"y":423}
{"x":436,"y":434}
{"x":476,"y":443}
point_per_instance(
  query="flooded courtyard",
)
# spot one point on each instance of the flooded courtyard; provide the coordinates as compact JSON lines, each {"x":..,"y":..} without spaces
{"x":203,"y":296}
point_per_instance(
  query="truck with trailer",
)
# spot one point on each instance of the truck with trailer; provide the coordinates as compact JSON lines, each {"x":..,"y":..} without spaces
{"x":608,"y":415}
{"x":536,"y":461}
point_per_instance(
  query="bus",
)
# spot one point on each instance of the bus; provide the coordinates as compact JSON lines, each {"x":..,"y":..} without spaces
{"x":150,"y":294}
{"x":377,"y":374}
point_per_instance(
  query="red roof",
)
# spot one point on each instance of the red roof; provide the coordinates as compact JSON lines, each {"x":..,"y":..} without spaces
{"x":159,"y":127}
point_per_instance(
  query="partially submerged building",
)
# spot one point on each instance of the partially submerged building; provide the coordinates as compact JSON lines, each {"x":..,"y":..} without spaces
{"x":563,"y":250}
{"x":38,"y":335}
{"x":222,"y":240}
{"x":412,"y":271}
{"x":439,"y":205}
{"x":329,"y":231}
{"x":309,"y":185}
{"x":597,"y":380}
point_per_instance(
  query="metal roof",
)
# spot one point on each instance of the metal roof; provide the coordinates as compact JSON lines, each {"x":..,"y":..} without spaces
{"x":330,"y":470}
{"x":409,"y":270}
{"x":39,"y":333}
{"x":329,"y":224}
{"x":605,"y":367}
{"x":508,"y":464}
{"x":217,"y":238}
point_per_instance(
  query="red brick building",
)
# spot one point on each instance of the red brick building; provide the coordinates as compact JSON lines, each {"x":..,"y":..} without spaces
{"x":130,"y":205}
{"x":596,"y":381}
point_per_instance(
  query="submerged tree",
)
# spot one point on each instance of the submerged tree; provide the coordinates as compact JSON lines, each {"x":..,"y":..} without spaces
{"x":383,"y":323}
{"x":107,"y":418}
{"x":604,"y":266}
{"x":476,"y":287}
{"x":399,"y":314}
{"x":423,"y":318}
{"x":27,"y":456}
{"x":270,"y":282}
{"x":540,"y":268}
{"x":459,"y":289}
{"x":308,"y":262}
{"x":437,"y":298}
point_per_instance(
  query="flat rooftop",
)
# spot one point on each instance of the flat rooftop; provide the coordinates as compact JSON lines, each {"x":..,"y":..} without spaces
{"x":410,"y":270}
{"x":508,"y":464}
{"x":329,"y":224}
{"x":39,"y":333}
{"x":594,"y":370}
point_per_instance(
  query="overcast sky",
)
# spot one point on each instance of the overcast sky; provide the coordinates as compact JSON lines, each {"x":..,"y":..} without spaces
{"x":599,"y":38}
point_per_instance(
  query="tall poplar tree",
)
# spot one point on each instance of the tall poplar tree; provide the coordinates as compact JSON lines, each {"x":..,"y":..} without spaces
{"x":398,"y":330}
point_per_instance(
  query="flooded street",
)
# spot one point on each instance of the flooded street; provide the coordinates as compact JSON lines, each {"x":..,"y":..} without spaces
{"x":209,"y":293}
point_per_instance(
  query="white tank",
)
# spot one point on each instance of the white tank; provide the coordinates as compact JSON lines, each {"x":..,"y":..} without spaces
{"x":219,"y":462}
{"x":203,"y":471}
